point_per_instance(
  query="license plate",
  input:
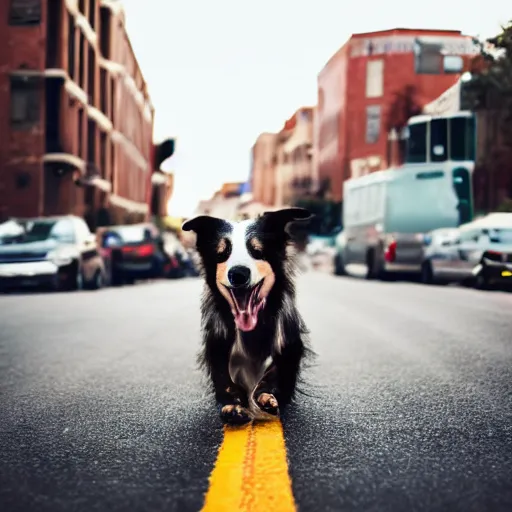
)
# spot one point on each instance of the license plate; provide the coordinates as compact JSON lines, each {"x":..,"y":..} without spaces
{"x":506,"y":273}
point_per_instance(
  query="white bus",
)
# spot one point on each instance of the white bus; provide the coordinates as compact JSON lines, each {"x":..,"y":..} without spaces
{"x":387,"y":214}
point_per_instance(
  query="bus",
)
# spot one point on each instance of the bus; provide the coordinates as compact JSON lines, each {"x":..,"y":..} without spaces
{"x":388,"y":214}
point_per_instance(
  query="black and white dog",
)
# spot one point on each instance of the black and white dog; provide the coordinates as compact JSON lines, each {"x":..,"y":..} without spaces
{"x":254,"y":340}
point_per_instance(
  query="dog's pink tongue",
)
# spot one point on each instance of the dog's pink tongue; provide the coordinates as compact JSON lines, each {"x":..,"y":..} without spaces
{"x":246,"y":320}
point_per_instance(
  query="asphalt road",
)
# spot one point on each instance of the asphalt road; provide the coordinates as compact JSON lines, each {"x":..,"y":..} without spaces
{"x":410,"y":406}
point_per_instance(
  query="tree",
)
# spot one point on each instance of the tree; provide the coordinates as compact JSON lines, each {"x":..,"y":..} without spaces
{"x":404,"y":105}
{"x":490,"y":87}
{"x":489,"y":93}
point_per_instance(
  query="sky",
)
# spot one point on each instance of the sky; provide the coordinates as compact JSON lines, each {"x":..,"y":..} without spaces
{"x":221,"y":72}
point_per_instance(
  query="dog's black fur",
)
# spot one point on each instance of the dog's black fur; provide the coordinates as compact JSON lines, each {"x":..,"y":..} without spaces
{"x":280,"y":332}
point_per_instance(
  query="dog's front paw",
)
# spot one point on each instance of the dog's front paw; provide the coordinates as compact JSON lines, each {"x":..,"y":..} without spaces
{"x":268,"y":403}
{"x":235,"y":415}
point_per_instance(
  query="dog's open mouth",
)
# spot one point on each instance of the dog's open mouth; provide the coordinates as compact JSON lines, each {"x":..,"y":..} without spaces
{"x":248,"y":304}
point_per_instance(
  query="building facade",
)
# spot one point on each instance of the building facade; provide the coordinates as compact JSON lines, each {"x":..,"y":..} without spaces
{"x":263,"y":179}
{"x":368,"y":85}
{"x":297,"y":180}
{"x":282,"y":163}
{"x":78,"y":134}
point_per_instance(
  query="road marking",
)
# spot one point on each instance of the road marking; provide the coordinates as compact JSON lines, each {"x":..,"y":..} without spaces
{"x":251,"y":471}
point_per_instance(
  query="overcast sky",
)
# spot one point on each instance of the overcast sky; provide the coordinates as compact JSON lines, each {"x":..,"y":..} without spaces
{"x":221,"y":72}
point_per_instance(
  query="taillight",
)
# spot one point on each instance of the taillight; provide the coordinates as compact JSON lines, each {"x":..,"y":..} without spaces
{"x":142,"y":250}
{"x":390,"y":252}
{"x":493,"y":255}
{"x":145,"y":250}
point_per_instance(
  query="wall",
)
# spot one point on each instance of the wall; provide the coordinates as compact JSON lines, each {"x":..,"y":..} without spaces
{"x":20,"y":150}
{"x":331,"y":125}
{"x":263,"y":176}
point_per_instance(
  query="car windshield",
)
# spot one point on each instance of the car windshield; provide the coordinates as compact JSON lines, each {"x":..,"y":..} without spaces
{"x":41,"y":230}
{"x":500,"y":236}
{"x":133,"y":234}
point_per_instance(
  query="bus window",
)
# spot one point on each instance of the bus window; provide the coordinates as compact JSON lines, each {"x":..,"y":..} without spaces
{"x":439,"y":140}
{"x":462,"y":139}
{"x":462,"y":185}
{"x":417,"y":143}
{"x":429,"y":175}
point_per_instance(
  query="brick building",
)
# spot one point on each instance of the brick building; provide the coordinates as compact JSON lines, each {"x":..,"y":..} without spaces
{"x":297,"y":181}
{"x":78,"y":134}
{"x":282,"y":168}
{"x":359,"y":88}
{"x":263,"y":169}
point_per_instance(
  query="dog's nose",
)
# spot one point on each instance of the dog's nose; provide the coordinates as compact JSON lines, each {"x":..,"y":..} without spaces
{"x":239,"y":276}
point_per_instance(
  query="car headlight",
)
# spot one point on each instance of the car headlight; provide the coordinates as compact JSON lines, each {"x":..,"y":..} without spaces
{"x":62,"y":256}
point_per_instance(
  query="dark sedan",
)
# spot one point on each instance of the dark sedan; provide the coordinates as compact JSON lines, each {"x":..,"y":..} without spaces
{"x":135,"y":252}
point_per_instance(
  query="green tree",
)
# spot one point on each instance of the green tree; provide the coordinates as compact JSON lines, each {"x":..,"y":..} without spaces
{"x":489,"y":93}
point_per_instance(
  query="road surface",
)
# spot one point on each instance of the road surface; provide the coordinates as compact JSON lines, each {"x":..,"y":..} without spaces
{"x":409,"y":406}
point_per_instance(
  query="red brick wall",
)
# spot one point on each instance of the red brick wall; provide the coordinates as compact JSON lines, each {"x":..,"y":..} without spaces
{"x":20,"y":150}
{"x":132,"y":181}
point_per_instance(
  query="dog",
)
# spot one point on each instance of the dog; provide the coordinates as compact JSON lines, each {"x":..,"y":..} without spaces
{"x":254,"y":339}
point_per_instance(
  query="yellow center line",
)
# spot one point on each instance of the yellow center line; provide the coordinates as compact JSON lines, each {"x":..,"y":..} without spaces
{"x":251,"y":471}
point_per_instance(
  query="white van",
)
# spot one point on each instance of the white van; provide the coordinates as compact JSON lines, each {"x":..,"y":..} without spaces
{"x":387,"y":214}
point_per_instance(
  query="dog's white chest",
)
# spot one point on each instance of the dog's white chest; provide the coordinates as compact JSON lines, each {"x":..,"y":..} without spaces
{"x":244,"y":370}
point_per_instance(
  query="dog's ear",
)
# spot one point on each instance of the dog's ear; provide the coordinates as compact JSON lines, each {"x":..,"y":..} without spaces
{"x":203,"y":224}
{"x":280,"y":220}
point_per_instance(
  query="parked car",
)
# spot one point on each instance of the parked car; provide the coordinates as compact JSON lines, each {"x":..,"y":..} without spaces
{"x":437,"y":267}
{"x":339,"y":247}
{"x":186,"y":264}
{"x":136,"y":251}
{"x":54,"y":252}
{"x":481,"y":253}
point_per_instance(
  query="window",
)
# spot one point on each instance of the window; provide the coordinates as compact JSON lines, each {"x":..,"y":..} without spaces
{"x":429,"y":175}
{"x":71,"y":46}
{"x":92,"y":13}
{"x":25,"y":102}
{"x":439,"y":140}
{"x":462,"y":185}
{"x":25,"y":12}
{"x":80,"y":134}
{"x":453,"y":64}
{"x":41,"y":230}
{"x":417,"y":143}
{"x":63,"y":230}
{"x":103,"y":154}
{"x":462,"y":138}
{"x":428,"y":58}
{"x":23,"y":180}
{"x":372,"y":123}
{"x":374,"y":78}
{"x":81,"y":60}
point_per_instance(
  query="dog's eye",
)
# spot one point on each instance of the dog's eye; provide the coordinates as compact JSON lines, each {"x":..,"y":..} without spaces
{"x":257,"y":254}
{"x":255,"y":249}
{"x":223,"y":250}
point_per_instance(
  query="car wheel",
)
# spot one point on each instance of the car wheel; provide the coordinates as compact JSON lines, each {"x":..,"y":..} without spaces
{"x":97,"y":281}
{"x":427,"y":275}
{"x":481,"y":280}
{"x":339,"y":267}
{"x":73,"y":279}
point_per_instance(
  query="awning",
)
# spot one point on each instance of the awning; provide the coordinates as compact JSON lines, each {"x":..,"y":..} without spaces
{"x":446,"y":104}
